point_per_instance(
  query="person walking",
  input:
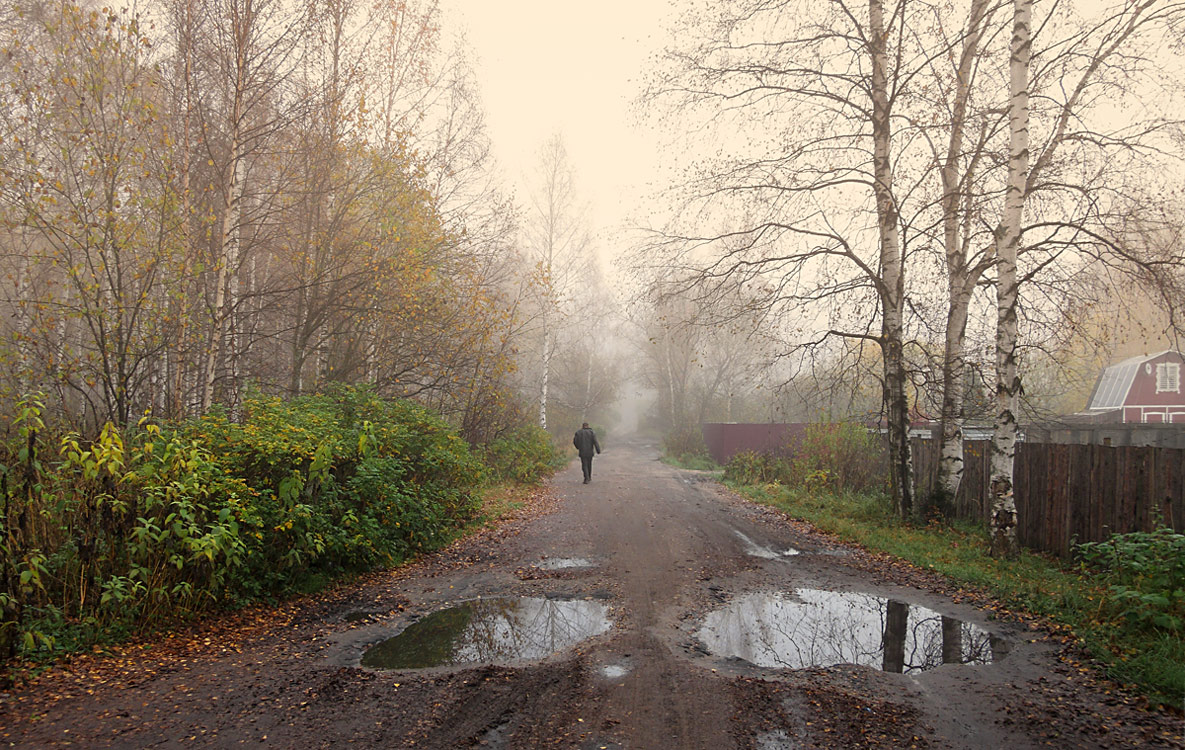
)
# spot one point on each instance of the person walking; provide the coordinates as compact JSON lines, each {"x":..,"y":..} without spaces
{"x":585,"y":441}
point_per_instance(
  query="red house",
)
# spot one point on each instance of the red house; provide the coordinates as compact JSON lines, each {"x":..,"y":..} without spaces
{"x":1144,"y":389}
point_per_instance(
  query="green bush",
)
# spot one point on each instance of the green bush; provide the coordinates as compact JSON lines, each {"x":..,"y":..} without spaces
{"x":836,"y":457}
{"x":750,"y":467}
{"x":135,"y":527}
{"x":839,"y":456}
{"x":526,"y":456}
{"x":1145,"y":571}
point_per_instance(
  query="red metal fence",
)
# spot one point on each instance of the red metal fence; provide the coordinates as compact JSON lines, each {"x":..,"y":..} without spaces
{"x":1067,"y":493}
{"x":725,"y":440}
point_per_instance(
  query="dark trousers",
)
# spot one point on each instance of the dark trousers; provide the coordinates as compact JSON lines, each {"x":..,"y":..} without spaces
{"x":586,"y":465}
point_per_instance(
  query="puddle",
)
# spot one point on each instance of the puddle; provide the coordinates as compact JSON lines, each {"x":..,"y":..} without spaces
{"x":614,"y":671}
{"x":564,"y":563}
{"x":776,"y":740}
{"x":814,"y":628}
{"x":490,"y":631}
{"x":753,"y":549}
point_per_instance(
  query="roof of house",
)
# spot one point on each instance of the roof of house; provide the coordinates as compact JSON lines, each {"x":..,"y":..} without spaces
{"x":1110,"y":392}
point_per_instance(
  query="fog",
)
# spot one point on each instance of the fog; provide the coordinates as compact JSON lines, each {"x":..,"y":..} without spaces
{"x":534,"y":212}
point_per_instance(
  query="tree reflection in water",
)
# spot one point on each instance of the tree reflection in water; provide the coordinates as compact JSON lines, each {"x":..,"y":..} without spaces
{"x":820,"y":628}
{"x":490,"y":631}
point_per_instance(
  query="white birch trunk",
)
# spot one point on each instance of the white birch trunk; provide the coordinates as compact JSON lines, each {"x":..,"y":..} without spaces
{"x":1002,"y":520}
{"x":24,"y":320}
{"x":955,"y":184}
{"x":547,"y":347}
{"x":892,"y":286}
{"x":954,"y":368}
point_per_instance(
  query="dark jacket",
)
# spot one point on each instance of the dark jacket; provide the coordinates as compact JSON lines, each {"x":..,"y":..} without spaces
{"x":585,"y":441}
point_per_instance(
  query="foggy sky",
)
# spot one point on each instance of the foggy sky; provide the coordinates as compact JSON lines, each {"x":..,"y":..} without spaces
{"x":574,"y":68}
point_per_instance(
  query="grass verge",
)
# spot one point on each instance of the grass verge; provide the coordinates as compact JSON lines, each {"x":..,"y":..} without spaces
{"x":1150,"y":661}
{"x":498,"y":501}
{"x":691,"y":461}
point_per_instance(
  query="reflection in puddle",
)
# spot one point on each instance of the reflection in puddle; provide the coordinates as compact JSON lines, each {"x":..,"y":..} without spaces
{"x":563,"y":563}
{"x":490,"y":631}
{"x":821,"y":628}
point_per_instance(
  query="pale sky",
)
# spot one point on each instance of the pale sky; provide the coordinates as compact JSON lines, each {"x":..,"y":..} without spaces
{"x":547,"y":66}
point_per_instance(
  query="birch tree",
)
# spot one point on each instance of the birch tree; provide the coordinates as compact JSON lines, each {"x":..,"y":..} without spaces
{"x":249,"y":51}
{"x":1082,"y":182}
{"x":558,"y":241}
{"x":91,"y":192}
{"x":810,"y":99}
{"x":1071,"y":205}
{"x":1002,"y":518}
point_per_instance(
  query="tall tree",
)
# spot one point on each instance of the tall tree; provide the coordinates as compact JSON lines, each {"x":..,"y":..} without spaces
{"x":248,"y":48}
{"x":810,"y":99}
{"x":1002,"y":518}
{"x":91,"y":195}
{"x":558,"y":241}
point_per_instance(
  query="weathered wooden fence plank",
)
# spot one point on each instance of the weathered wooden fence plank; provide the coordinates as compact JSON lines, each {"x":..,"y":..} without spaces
{"x":1069,"y":493}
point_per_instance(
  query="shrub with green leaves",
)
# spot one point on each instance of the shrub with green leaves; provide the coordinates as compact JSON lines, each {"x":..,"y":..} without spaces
{"x":750,"y":467}
{"x":1145,"y":571}
{"x":840,"y":456}
{"x":526,"y":455}
{"x":134,"y":527}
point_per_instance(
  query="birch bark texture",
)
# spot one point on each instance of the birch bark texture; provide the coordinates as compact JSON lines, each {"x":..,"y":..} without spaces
{"x":1002,"y":517}
{"x":891,"y":283}
{"x":961,"y":277}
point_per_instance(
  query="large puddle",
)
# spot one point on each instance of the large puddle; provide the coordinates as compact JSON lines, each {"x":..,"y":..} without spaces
{"x":813,"y":628}
{"x":490,"y":631}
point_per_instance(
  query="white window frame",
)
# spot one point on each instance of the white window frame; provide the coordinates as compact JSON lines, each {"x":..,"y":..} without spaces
{"x":1168,"y":377}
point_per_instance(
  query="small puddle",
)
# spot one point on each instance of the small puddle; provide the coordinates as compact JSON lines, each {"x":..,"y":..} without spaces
{"x":753,"y":549}
{"x":490,"y":631}
{"x":614,"y":671}
{"x":564,"y":563}
{"x":813,"y":628}
{"x":775,"y":740}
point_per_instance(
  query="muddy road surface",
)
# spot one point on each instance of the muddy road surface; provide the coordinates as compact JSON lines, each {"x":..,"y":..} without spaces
{"x":649,"y":609}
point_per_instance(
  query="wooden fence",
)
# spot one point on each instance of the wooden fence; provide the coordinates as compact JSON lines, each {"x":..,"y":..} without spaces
{"x":1069,"y":493}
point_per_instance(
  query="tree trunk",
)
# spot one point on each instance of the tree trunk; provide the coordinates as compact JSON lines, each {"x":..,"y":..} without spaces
{"x":955,"y":186}
{"x":892,"y":283}
{"x":1003,"y":501}
{"x":228,"y":256}
{"x":954,"y":368}
{"x":547,"y":346}
{"x":893,"y":638}
{"x":952,"y":641}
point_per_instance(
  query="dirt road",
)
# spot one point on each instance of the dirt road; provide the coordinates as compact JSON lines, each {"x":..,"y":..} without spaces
{"x":633,"y":612}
